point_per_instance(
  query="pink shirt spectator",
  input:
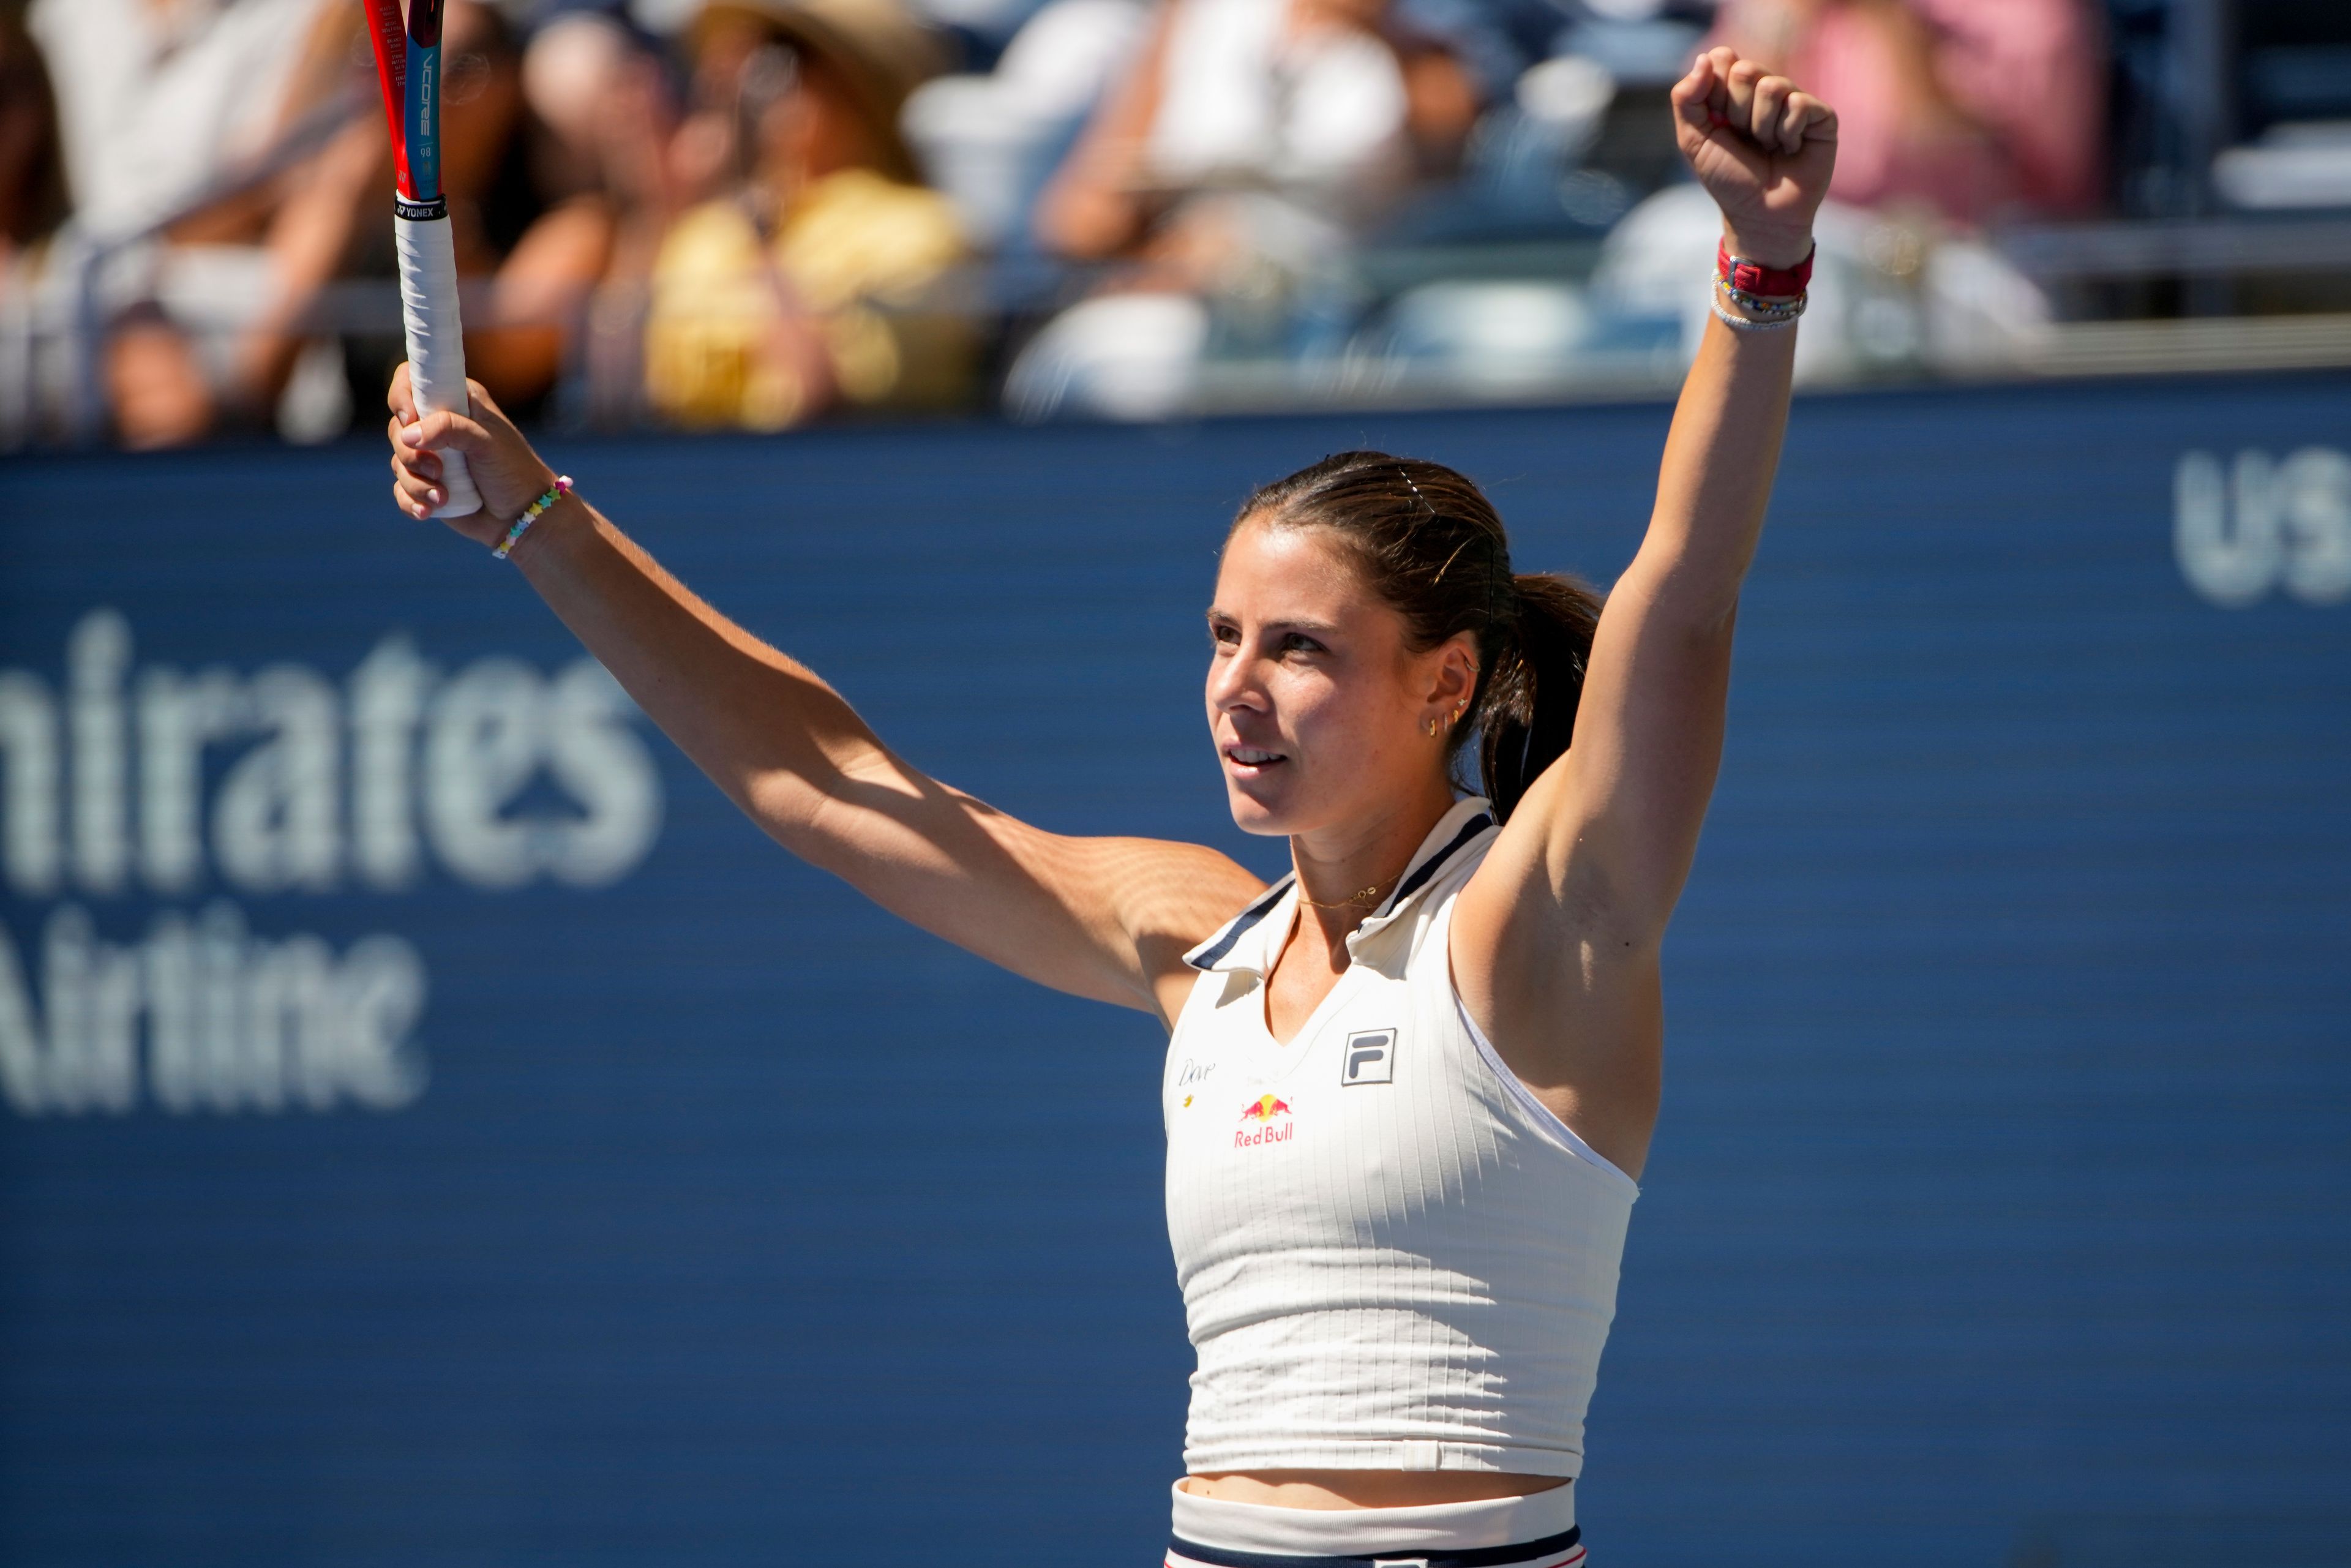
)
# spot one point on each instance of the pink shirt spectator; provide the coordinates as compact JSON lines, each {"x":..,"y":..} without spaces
{"x":1983,"y":108}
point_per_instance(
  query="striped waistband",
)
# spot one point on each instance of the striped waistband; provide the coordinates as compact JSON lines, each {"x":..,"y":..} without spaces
{"x":1564,"y":1550}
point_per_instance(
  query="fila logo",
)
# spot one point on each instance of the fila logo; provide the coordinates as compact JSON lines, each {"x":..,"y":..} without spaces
{"x":1370,"y":1058}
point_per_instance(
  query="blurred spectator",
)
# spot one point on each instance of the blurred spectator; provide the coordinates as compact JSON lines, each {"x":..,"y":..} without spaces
{"x":988,"y":142}
{"x":1246,"y":151}
{"x":597,"y":84}
{"x":158,"y":97}
{"x":230,"y":320}
{"x":1492,"y":41}
{"x":812,"y":277}
{"x":32,"y":207}
{"x":1977,"y":108}
{"x":604,"y":89}
{"x":230,"y":167}
{"x":32,"y":167}
{"x":732,"y":233}
{"x":160,"y":104}
{"x":1308,"y":100}
{"x":525,"y":213}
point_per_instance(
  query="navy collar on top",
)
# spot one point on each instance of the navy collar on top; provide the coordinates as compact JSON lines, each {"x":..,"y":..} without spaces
{"x":1455,"y":832}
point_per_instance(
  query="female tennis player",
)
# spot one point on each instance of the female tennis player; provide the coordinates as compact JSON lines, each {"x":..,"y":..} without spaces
{"x":1408,"y":1086}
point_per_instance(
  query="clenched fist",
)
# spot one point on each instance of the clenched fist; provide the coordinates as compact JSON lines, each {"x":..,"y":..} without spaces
{"x":1762,"y":149}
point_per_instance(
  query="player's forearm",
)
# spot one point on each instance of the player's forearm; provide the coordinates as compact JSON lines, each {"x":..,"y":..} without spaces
{"x":768,"y":730}
{"x":1765,"y":150}
{"x":1715,"y":483}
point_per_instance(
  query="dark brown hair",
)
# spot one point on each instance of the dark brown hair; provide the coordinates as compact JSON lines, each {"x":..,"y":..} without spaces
{"x":33,"y":198}
{"x":1432,"y":547}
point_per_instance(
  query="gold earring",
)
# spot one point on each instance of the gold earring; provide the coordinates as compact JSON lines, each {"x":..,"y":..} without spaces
{"x":1431,"y":727}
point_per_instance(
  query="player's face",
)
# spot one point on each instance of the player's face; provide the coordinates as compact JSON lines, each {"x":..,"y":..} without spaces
{"x":1315,"y":696}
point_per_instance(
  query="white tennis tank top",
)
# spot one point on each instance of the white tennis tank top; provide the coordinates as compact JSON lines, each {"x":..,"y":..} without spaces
{"x":1393,"y":1256}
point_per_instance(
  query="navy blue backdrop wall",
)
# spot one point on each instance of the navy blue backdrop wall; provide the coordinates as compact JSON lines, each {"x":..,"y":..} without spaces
{"x":437,"y":1129}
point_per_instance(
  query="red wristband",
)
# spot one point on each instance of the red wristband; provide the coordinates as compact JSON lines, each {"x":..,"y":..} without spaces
{"x":1754,"y":278}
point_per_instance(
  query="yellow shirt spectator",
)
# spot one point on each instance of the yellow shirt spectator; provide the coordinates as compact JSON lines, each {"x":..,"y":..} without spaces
{"x":860,"y":257}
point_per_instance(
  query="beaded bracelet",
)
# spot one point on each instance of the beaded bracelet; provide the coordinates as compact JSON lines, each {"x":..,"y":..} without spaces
{"x":1779,"y":317}
{"x":1767,"y":298}
{"x":1781,"y":308}
{"x":531,"y":514}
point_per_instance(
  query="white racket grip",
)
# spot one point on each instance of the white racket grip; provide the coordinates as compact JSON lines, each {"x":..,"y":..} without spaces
{"x":436,"y":344}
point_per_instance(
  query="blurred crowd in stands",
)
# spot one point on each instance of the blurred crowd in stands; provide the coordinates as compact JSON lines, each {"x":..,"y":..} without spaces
{"x":753,"y":214}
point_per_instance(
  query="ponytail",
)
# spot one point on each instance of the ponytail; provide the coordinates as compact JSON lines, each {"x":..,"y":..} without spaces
{"x":1433,"y":546}
{"x":1527,"y":710}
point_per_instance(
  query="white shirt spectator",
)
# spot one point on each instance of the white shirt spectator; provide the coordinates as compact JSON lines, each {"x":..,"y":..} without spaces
{"x":155,"y":98}
{"x":1244,"y":96}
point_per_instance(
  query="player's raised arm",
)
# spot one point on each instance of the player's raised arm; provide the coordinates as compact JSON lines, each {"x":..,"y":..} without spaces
{"x":1106,"y":918}
{"x":1557,"y":942}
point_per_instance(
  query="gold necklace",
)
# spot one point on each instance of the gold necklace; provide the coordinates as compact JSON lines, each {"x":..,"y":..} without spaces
{"x":1361,"y":898}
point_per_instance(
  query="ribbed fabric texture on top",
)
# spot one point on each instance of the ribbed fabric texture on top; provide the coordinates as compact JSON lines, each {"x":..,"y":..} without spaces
{"x":1393,"y":1256}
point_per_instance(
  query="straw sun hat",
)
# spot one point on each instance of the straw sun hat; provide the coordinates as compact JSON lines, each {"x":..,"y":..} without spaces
{"x":876,"y":45}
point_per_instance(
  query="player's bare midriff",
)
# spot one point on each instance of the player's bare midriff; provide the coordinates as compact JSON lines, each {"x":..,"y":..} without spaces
{"x":1365,"y":1488}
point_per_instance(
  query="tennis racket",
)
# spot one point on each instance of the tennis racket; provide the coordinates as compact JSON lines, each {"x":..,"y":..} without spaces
{"x":408,"y":67}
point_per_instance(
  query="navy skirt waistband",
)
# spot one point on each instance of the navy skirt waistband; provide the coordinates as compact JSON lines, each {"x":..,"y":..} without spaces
{"x":1472,"y":1557}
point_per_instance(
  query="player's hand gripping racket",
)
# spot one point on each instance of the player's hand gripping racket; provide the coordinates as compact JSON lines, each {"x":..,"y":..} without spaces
{"x":408,"y":65}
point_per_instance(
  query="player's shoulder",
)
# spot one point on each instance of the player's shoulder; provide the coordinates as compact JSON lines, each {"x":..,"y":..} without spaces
{"x":1172,"y":897}
{"x":1174,"y":892}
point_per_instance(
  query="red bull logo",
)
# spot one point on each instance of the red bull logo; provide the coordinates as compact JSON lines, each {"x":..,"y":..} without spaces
{"x":1257,"y":1125}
